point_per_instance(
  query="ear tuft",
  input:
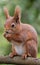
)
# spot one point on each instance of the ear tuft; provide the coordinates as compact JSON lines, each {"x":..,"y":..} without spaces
{"x":6,"y":12}
{"x":17,"y":12}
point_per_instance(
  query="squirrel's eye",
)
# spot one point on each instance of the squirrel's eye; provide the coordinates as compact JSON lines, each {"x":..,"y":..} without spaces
{"x":12,"y":25}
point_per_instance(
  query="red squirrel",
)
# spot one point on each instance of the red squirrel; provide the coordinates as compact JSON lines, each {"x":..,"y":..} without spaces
{"x":23,"y":37}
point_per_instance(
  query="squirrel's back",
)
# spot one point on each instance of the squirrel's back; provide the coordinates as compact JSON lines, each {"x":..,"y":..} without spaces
{"x":30,"y":31}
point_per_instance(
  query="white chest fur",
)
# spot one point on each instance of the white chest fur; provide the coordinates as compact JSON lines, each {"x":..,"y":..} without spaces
{"x":19,"y":48}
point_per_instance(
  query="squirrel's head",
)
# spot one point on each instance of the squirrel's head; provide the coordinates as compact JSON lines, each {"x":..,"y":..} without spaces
{"x":12,"y":24}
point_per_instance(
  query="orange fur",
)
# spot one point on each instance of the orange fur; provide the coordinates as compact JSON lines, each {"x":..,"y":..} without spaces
{"x":22,"y":36}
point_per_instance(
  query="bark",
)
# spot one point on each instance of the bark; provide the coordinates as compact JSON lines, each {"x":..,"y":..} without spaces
{"x":19,"y":61}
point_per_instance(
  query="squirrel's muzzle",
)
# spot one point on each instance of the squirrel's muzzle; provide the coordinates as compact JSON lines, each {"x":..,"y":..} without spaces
{"x":9,"y":32}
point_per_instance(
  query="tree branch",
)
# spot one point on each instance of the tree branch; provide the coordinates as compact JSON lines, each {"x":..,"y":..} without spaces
{"x":19,"y":60}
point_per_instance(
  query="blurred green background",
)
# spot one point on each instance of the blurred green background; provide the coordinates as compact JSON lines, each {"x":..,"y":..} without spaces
{"x":30,"y":14}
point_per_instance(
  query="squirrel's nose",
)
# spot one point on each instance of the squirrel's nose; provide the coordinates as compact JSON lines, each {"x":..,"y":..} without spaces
{"x":7,"y":32}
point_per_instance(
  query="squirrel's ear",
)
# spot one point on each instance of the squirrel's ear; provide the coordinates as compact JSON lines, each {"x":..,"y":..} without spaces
{"x":6,"y":12}
{"x":17,"y":14}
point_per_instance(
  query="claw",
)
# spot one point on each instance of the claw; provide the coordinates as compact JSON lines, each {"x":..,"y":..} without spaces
{"x":29,"y":55}
{"x":24,"y":56}
{"x":11,"y":55}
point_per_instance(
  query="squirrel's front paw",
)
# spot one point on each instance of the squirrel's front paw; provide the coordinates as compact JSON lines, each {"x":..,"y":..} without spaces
{"x":12,"y":54}
{"x":24,"y":56}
